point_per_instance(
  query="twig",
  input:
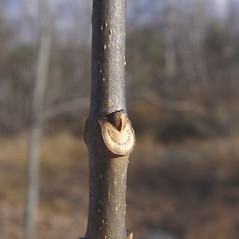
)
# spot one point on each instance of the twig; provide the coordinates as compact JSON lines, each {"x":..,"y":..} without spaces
{"x":166,"y":104}
{"x":66,"y":107}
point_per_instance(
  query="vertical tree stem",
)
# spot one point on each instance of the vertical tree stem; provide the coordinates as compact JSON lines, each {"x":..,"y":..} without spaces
{"x":37,"y":123}
{"x":108,"y":132}
{"x":108,"y":58}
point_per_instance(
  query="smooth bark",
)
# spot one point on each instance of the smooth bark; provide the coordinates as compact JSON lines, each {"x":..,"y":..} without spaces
{"x":108,"y":58}
{"x":108,"y":132}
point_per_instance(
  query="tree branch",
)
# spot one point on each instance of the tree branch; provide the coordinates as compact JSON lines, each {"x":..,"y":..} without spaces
{"x":173,"y":105}
{"x":66,"y":107}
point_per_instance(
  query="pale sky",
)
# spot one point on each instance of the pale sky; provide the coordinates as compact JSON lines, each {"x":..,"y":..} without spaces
{"x":221,"y":4}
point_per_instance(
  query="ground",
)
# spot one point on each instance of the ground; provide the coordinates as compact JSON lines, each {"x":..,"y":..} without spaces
{"x":186,"y":190}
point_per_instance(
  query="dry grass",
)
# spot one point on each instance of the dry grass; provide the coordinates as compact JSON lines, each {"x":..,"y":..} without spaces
{"x":188,"y":189}
{"x":64,"y":180}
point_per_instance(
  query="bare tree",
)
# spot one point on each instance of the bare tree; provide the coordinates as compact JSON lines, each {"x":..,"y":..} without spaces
{"x":108,"y":132}
{"x":191,"y":47}
{"x":169,"y":38}
{"x":197,"y":42}
{"x":37,"y":122}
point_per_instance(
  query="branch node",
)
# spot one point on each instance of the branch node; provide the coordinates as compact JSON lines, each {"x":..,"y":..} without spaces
{"x":117,"y":133}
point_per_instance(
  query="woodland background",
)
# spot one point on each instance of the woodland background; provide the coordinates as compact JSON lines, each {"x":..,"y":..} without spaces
{"x":182,"y":93}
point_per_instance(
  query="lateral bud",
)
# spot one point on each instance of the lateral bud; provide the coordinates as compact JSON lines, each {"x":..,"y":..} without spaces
{"x":117,"y":133}
{"x":118,"y":119}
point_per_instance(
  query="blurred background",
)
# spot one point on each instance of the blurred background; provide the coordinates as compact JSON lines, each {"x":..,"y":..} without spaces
{"x":182,"y":96}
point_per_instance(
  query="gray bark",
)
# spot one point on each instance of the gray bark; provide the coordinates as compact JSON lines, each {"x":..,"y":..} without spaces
{"x":37,"y":123}
{"x":108,"y":58}
{"x":108,"y":132}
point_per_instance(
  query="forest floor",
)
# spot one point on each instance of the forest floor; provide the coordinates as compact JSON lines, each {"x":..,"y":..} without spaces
{"x":186,"y":190}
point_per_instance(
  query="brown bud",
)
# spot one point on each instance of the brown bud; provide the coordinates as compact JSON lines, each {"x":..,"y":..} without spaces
{"x":118,"y":119}
{"x":130,"y":235}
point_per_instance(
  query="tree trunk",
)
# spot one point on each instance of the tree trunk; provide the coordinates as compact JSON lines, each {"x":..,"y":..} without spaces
{"x":37,"y":123}
{"x":108,"y":132}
